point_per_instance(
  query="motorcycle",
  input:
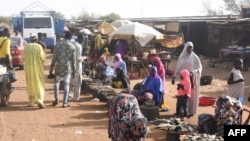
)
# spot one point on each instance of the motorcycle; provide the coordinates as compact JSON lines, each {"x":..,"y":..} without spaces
{"x":7,"y":77}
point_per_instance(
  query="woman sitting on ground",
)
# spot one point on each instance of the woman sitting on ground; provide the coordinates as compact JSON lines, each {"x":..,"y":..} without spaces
{"x":151,"y":88}
{"x":102,"y":68}
{"x":126,"y":121}
{"x":121,"y":81}
{"x":119,"y":63}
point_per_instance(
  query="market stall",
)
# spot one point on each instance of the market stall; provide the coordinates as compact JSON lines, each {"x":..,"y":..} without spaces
{"x":138,"y":35}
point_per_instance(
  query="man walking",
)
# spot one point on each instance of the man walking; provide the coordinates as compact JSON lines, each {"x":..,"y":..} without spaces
{"x":76,"y":82}
{"x":64,"y":63}
{"x":40,"y":41}
{"x":34,"y":58}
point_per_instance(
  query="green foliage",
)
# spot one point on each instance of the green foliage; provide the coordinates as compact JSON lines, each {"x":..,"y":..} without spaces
{"x":111,"y":16}
{"x":89,"y":16}
{"x":60,"y":15}
{"x":5,"y":21}
{"x":84,"y":15}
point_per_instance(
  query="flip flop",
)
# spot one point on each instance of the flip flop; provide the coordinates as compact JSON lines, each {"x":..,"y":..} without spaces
{"x":175,"y":96}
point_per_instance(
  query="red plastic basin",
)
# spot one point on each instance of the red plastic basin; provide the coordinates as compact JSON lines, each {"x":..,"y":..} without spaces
{"x":206,"y":101}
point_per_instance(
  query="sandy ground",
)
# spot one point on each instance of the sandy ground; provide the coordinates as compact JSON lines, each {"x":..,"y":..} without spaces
{"x":87,"y":120}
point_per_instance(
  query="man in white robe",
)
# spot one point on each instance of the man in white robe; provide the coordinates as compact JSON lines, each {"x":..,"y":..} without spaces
{"x":76,"y":82}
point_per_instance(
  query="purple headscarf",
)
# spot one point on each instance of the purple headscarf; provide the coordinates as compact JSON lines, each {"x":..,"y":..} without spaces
{"x":120,"y":63}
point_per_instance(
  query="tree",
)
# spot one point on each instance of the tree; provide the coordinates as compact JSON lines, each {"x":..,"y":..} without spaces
{"x":229,"y":7}
{"x":60,"y":15}
{"x":111,"y":16}
{"x":86,"y":16}
{"x":234,"y":6}
{"x":210,"y":11}
{"x":5,"y":21}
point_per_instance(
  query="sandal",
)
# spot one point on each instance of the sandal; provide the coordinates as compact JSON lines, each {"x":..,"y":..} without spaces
{"x":55,"y":102}
{"x":175,"y":96}
{"x":65,"y":105}
{"x":40,"y":105}
{"x":190,"y":115}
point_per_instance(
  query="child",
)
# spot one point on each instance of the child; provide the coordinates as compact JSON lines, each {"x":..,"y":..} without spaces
{"x":184,"y":92}
{"x":236,"y":81}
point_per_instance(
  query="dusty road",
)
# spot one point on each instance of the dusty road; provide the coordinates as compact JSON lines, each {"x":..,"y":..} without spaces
{"x":86,"y":120}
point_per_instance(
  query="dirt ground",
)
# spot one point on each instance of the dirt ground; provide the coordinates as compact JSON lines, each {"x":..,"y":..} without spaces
{"x":87,"y":120}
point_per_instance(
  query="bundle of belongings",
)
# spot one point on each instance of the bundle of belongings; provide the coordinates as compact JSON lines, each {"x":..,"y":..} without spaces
{"x":228,"y":111}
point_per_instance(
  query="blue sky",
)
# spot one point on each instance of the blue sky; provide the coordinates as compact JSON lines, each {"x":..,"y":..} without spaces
{"x":124,"y":8}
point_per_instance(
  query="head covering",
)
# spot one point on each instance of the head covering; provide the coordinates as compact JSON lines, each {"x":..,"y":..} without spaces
{"x":119,"y":61}
{"x":153,"y":84}
{"x":185,"y":81}
{"x":184,"y":51}
{"x":185,"y":75}
{"x":33,"y":36}
{"x":151,"y":69}
{"x":192,"y":58}
{"x":118,"y":55}
{"x":158,"y":62}
{"x":136,"y":124}
{"x":160,"y":69}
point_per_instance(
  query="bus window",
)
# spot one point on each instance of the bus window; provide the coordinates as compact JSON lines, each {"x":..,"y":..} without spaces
{"x":37,"y":22}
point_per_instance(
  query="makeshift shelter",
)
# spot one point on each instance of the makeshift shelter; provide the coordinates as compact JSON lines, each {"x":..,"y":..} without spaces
{"x":171,"y":41}
{"x":230,"y":39}
{"x":136,"y":31}
{"x":85,"y":31}
{"x":105,"y":28}
{"x":120,"y":23}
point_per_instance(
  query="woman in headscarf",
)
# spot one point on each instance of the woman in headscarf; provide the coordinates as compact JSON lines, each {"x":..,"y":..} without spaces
{"x":151,"y":88}
{"x":101,"y":68}
{"x":228,"y":111}
{"x":126,"y":121}
{"x":190,"y":61}
{"x":156,"y":61}
{"x":119,"y":63}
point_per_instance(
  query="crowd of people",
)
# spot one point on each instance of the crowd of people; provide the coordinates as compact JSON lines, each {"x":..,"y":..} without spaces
{"x":69,"y":64}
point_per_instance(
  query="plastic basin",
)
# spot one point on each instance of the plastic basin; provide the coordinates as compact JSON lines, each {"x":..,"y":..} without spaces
{"x":206,"y":101}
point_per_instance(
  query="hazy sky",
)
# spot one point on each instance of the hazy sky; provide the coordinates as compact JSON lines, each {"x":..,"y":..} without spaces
{"x":124,"y":8}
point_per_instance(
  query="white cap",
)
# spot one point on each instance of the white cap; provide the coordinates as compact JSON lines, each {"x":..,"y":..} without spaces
{"x":33,"y":35}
